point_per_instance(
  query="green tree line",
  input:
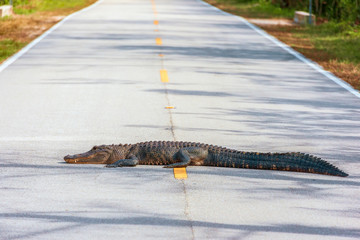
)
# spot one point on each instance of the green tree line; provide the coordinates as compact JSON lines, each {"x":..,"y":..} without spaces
{"x":340,"y":10}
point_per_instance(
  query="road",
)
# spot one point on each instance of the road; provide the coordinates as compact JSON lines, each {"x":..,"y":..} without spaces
{"x":107,"y":74}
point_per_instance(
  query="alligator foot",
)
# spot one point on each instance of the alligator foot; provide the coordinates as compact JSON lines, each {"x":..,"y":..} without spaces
{"x":123,"y":163}
{"x":183,"y":156}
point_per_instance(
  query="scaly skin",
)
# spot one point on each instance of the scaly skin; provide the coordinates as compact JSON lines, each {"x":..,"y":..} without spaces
{"x":182,"y":154}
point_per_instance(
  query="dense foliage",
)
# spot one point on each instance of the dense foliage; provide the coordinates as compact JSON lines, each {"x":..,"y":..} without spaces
{"x":341,"y":10}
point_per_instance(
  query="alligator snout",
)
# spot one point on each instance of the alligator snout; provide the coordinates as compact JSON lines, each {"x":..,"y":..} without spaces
{"x":74,"y":158}
{"x":86,"y":158}
{"x":69,"y":159}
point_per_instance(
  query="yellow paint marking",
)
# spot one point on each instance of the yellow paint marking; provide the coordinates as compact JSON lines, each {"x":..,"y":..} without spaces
{"x":156,"y":22}
{"x":154,"y":6}
{"x":158,"y":41}
{"x":164,"y":76}
{"x":180,"y":173}
{"x":169,"y":107}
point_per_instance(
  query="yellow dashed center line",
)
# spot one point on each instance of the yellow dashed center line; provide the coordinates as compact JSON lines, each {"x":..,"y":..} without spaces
{"x":180,"y":173}
{"x":158,"y":41}
{"x":153,"y":6}
{"x":164,"y":76}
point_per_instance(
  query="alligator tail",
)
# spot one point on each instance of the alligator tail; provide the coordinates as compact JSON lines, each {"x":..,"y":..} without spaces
{"x":297,"y":162}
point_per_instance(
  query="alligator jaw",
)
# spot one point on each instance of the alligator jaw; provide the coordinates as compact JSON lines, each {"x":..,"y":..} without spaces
{"x":94,"y":157}
{"x":77,"y":158}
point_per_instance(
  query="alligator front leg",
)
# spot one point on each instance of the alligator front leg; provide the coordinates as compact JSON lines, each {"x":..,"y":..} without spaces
{"x":132,"y":162}
{"x":184,"y":157}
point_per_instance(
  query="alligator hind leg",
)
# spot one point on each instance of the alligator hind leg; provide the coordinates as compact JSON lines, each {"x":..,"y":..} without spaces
{"x":132,"y":162}
{"x":183,"y":157}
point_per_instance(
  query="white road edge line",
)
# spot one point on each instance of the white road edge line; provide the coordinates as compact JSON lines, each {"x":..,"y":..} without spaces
{"x":290,"y":50}
{"x":12,"y":59}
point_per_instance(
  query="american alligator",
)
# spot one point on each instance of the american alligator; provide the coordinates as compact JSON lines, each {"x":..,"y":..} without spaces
{"x":182,"y":154}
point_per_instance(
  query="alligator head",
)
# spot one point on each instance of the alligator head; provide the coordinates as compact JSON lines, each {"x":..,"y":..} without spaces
{"x":97,"y":155}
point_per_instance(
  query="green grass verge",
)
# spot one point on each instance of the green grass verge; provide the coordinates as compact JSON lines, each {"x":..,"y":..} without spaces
{"x":254,"y":8}
{"x":29,"y":7}
{"x":8,"y":47}
{"x":51,"y":5}
{"x":340,"y":40}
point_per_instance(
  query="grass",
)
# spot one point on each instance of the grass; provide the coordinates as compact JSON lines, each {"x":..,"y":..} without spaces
{"x":32,"y":6}
{"x":335,"y":46}
{"x":253,"y":9}
{"x":8,"y":47}
{"x":341,"y":40}
{"x":31,"y":19}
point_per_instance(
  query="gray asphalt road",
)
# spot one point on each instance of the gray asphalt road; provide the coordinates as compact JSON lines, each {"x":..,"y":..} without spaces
{"x":96,"y":80}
